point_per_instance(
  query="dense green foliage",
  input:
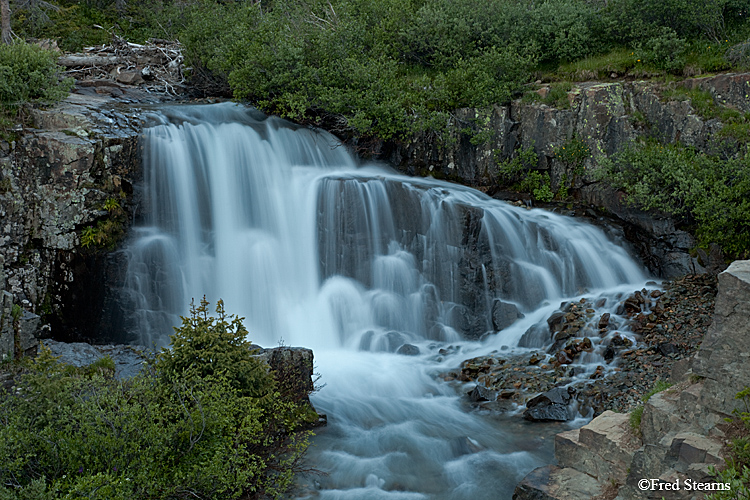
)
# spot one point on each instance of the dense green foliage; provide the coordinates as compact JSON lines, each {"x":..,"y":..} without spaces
{"x":106,"y":233}
{"x":178,"y":430}
{"x":521,"y":174}
{"x":28,"y":74}
{"x":706,"y":192}
{"x":392,"y":68}
{"x":737,"y":470}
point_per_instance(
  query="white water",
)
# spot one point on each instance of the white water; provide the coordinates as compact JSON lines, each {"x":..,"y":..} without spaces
{"x":315,"y":250}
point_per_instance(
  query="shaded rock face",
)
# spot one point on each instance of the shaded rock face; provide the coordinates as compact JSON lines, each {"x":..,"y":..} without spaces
{"x":732,"y":89}
{"x":293,"y":369}
{"x":54,"y":181}
{"x":607,"y":117}
{"x":724,"y":356}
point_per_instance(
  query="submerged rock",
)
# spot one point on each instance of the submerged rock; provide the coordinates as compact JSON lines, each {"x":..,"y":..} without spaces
{"x":550,"y":406}
{"x":408,"y":350}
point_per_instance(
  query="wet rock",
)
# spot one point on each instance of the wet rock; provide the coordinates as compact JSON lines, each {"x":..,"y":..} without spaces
{"x":481,"y":393}
{"x":609,"y":354}
{"x":394,"y":340}
{"x":563,"y":358}
{"x":408,"y":350}
{"x":536,"y":336}
{"x":556,"y":322}
{"x":604,"y":321}
{"x":667,"y":348}
{"x":504,"y":314}
{"x":552,"y":405}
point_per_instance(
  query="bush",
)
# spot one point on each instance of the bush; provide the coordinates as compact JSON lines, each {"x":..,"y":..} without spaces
{"x":704,"y":192}
{"x":665,"y":50}
{"x":176,"y":431}
{"x":29,"y":74}
{"x":207,"y":347}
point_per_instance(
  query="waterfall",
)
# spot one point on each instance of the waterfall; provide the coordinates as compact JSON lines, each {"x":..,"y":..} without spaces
{"x":354,"y":261}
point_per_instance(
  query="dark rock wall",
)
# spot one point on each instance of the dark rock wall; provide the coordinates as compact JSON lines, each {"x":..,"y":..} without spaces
{"x":607,"y":117}
{"x":54,"y":180}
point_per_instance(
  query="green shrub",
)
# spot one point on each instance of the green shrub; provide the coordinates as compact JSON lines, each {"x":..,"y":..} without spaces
{"x":665,"y":50}
{"x":704,"y":192}
{"x":107,"y":233}
{"x":520,"y":174}
{"x":207,"y":347}
{"x":175,"y":431}
{"x":29,"y":74}
{"x":573,"y":154}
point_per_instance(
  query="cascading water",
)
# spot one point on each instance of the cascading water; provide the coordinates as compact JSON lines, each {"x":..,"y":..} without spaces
{"x":355,"y":262}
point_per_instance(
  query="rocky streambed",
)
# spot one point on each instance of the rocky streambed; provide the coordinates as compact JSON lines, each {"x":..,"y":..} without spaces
{"x":655,"y":333}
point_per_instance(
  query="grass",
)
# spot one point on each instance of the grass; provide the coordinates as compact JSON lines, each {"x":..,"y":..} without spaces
{"x":557,"y":97}
{"x":700,"y":58}
{"x":637,"y":414}
{"x":620,"y":61}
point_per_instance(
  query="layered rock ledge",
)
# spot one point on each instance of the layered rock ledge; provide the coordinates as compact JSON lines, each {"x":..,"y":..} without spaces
{"x":682,"y":431}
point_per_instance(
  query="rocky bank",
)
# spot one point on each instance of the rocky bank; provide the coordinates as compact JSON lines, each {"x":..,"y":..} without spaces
{"x":683,"y":430}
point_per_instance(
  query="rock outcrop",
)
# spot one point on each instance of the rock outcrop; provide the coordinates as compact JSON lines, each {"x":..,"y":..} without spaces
{"x":60,"y":177}
{"x":606,"y":117}
{"x":682,"y":429}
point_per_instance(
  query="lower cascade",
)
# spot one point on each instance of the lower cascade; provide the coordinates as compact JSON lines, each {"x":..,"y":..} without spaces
{"x":389,"y":279}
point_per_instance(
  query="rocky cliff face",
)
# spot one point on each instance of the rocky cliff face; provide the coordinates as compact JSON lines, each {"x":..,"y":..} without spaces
{"x":607,"y":117}
{"x":57,"y":178}
{"x":682,"y":430}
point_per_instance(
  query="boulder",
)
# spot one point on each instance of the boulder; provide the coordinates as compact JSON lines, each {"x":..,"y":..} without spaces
{"x":536,"y":336}
{"x":293,"y":368}
{"x":724,"y":356}
{"x":552,"y":405}
{"x":504,"y":314}
{"x":408,"y":350}
{"x":128,"y":359}
{"x":557,"y":483}
{"x":480,"y":393}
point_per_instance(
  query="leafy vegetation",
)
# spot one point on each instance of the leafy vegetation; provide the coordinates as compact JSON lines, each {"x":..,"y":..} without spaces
{"x":737,"y":470}
{"x":28,"y":74}
{"x":108,"y":232}
{"x":186,"y":427}
{"x":704,"y":192}
{"x":394,"y":68}
{"x":521,"y":174}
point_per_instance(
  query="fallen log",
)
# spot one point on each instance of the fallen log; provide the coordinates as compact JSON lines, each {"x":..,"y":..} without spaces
{"x":77,"y":60}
